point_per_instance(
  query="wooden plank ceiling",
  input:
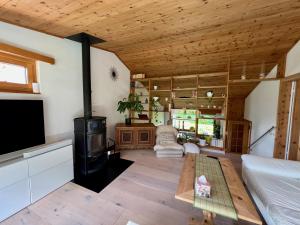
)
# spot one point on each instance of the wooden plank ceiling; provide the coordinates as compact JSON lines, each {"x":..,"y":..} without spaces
{"x":173,"y":37}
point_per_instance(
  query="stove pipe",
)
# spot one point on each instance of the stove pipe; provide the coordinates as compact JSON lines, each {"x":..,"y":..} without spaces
{"x":86,"y":41}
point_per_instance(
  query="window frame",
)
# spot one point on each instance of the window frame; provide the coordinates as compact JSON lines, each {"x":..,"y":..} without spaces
{"x":29,"y":64}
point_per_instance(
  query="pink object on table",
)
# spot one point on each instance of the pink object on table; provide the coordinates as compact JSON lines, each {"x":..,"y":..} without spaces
{"x":202,"y":187}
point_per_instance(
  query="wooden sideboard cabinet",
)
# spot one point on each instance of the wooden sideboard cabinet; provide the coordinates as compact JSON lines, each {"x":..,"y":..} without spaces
{"x":135,"y":136}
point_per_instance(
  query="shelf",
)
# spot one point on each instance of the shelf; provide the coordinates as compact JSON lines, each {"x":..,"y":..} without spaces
{"x":140,"y":79}
{"x":185,"y":89}
{"x":160,"y":90}
{"x":185,"y":76}
{"x":212,"y":97}
{"x":206,"y":118}
{"x":184,"y":98}
{"x":184,"y":119}
{"x":187,"y":131}
{"x":211,"y":87}
{"x":158,"y":111}
{"x":139,"y":87}
{"x":160,"y":78}
{"x":140,"y":119}
{"x":252,"y":80}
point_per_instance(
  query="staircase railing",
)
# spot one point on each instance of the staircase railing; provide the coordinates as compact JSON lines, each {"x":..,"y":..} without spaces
{"x":258,"y":139}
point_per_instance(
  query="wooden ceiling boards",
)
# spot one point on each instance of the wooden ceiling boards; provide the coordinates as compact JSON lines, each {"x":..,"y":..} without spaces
{"x":172,"y":37}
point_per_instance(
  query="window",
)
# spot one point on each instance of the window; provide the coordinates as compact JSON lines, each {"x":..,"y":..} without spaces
{"x":206,"y":126}
{"x":184,"y":119}
{"x":16,"y":73}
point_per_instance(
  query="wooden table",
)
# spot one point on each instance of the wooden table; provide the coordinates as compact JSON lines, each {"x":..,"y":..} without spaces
{"x":242,"y":202}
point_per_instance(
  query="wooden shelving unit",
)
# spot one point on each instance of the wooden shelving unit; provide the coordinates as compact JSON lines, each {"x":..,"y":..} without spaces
{"x":189,"y":92}
{"x":178,"y":90}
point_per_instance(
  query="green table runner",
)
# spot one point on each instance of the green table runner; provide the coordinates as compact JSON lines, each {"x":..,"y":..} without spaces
{"x":220,"y":201}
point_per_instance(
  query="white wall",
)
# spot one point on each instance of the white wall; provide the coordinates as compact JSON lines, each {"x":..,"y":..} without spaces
{"x":61,"y":84}
{"x":293,"y":60}
{"x":105,"y":91}
{"x":261,"y":108}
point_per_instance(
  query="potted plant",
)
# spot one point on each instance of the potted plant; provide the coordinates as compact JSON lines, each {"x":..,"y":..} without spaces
{"x":202,"y":140}
{"x":132,"y":103}
{"x":155,"y":107}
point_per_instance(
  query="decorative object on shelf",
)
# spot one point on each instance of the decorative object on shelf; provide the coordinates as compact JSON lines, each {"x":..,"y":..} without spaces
{"x":166,"y":99}
{"x":169,"y":107}
{"x":132,"y":103}
{"x":262,"y":71}
{"x":143,"y":116}
{"x":192,"y":129}
{"x":261,"y":76}
{"x":146,"y":101}
{"x":138,"y":76}
{"x":114,"y":75}
{"x":243,"y":76}
{"x":173,"y":94}
{"x":194,"y":94}
{"x":202,"y":141}
{"x":155,"y":87}
{"x":208,"y":139}
{"x":223,"y":95}
{"x":210,"y":95}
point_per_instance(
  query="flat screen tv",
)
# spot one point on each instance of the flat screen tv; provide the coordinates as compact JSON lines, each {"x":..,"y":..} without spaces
{"x":21,"y":124}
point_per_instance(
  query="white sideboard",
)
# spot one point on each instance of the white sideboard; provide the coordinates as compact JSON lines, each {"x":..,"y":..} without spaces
{"x":28,"y":177}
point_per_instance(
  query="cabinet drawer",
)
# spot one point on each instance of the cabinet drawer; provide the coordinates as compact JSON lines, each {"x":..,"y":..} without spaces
{"x":51,"y":179}
{"x":49,"y":160}
{"x":13,"y":172}
{"x":14,"y":198}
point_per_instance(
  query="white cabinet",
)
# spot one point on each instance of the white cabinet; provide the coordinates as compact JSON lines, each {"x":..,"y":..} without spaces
{"x":14,"y":188}
{"x":27,"y":180}
{"x":49,"y":171}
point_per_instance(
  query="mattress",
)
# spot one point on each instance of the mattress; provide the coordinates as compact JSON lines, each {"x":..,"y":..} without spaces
{"x":279,"y":196}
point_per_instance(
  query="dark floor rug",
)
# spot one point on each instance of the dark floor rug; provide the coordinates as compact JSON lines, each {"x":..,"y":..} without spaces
{"x":98,"y":181}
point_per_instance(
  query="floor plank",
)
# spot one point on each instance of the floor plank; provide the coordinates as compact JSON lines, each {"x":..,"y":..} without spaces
{"x":144,"y":194}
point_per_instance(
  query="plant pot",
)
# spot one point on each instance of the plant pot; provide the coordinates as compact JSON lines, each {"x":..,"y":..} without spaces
{"x":202,"y":142}
{"x":128,"y":121}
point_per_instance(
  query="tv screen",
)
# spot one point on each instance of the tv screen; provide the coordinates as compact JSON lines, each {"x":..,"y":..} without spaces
{"x":21,"y":124}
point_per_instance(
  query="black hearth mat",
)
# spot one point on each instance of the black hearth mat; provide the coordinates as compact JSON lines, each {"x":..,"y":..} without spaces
{"x":98,"y":181}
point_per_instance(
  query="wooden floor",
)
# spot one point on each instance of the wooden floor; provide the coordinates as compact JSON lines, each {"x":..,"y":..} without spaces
{"x":144,"y":194}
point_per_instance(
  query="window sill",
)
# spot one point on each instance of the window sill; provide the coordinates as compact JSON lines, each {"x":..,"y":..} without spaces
{"x":16,"y":88}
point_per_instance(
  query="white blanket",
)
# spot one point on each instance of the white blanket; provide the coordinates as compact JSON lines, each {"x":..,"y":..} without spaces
{"x":279,"y":194}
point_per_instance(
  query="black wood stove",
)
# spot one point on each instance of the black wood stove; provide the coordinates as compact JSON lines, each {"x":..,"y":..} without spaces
{"x":90,"y":131}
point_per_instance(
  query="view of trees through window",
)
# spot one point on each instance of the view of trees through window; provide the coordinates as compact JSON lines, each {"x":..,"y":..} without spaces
{"x":186,"y":120}
{"x":206,"y":126}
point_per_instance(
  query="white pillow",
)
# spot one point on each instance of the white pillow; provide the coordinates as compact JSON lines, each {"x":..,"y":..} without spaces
{"x":166,"y":129}
{"x":278,"y":167}
{"x":191,"y":148}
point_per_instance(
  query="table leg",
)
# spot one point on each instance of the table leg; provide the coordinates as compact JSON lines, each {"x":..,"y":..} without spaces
{"x":208,"y":219}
